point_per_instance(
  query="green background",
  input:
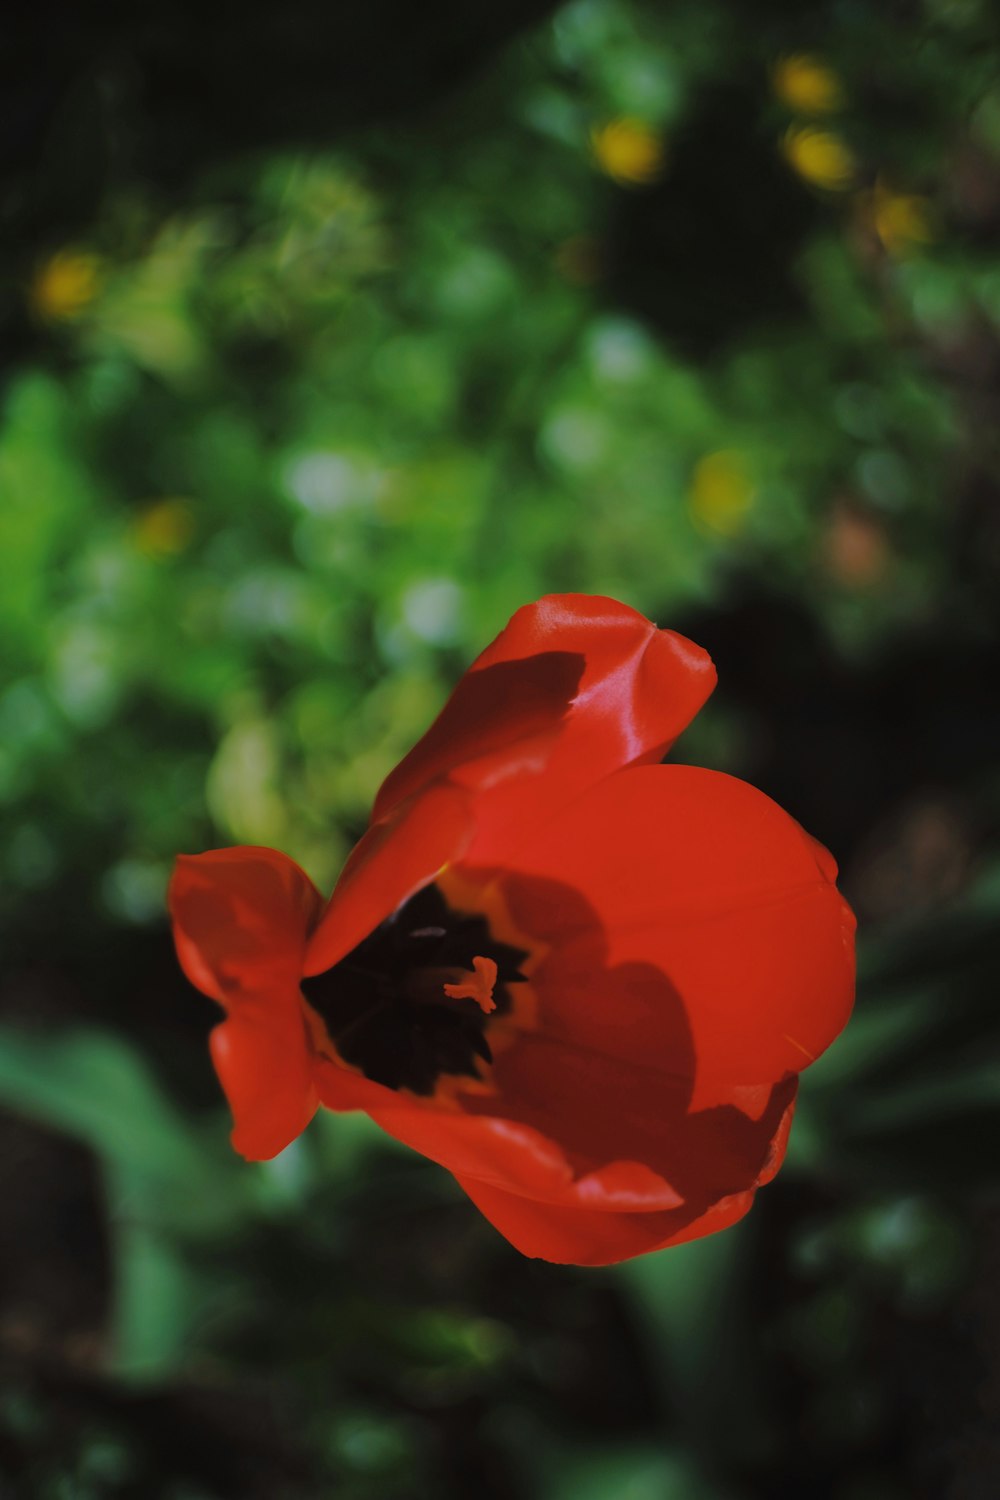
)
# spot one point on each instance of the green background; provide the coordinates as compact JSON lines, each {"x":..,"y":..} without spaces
{"x":332,"y":336}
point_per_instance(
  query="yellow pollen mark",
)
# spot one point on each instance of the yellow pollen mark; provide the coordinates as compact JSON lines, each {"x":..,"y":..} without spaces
{"x":476,"y":986}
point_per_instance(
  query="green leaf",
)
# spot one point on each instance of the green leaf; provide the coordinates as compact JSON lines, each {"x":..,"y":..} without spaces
{"x":169,"y":1186}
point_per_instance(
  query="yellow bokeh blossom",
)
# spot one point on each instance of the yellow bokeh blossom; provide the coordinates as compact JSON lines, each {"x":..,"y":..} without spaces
{"x":65,"y":284}
{"x":164,"y":528}
{"x":807,"y":84}
{"x":901,"y":220}
{"x":721,"y":493}
{"x":629,"y":151}
{"x":820,"y":157}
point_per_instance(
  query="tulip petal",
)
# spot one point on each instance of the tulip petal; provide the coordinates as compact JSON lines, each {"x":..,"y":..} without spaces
{"x":599,"y":1110}
{"x":706,"y":880}
{"x":265,"y":1065}
{"x":779,"y":1145}
{"x":505,"y":1153}
{"x":513,"y":1157}
{"x":591,"y":1237}
{"x":394,"y":859}
{"x":577,"y":686}
{"x":618,"y":1212}
{"x":503,"y":715}
{"x":241,"y":917}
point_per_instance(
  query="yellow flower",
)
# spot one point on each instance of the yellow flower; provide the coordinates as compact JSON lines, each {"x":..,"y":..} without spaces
{"x":629,"y":151}
{"x":900,"y":219}
{"x":164,"y":528}
{"x":821,"y":157}
{"x":805,"y":83}
{"x":721,"y":493}
{"x":64,"y":285}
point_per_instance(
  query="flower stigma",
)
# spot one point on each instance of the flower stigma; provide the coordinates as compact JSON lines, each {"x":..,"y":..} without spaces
{"x":478,"y":985}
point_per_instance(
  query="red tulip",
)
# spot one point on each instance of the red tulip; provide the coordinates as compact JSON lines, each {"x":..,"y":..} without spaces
{"x":582,"y":981}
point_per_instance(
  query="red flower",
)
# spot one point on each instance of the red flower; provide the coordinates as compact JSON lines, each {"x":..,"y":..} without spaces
{"x":582,"y":981}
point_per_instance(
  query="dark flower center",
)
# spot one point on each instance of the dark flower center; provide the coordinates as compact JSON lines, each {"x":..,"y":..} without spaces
{"x":413,"y":1000}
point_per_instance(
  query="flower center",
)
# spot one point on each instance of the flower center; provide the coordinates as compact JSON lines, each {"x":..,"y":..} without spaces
{"x":414,"y":1000}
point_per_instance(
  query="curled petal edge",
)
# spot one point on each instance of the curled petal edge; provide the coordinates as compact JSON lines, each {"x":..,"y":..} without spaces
{"x":592,"y":1237}
{"x":502,"y":1153}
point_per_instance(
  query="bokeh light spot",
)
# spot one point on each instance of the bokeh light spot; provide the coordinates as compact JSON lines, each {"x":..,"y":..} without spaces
{"x":821,"y":157}
{"x":807,"y":84}
{"x":629,"y":151}
{"x":721,"y":493}
{"x":164,"y":528}
{"x":65,"y":284}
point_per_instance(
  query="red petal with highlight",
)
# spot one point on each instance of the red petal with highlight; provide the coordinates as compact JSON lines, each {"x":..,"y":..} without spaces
{"x":575,"y":686}
{"x":589,"y":1237}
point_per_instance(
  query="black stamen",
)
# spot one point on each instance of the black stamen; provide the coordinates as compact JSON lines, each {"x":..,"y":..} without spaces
{"x":380,"y":1007}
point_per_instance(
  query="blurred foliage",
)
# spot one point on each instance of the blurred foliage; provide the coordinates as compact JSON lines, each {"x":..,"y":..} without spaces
{"x":694,"y":305}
